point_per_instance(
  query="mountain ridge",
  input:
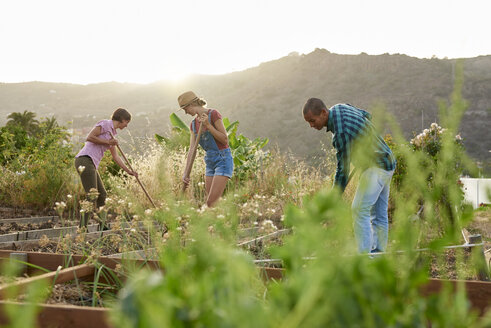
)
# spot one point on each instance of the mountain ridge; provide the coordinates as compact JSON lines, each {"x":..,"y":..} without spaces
{"x":267,"y":99}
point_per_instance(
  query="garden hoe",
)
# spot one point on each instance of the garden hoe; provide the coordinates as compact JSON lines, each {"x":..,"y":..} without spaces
{"x":192,"y":156}
{"x":137,"y":179}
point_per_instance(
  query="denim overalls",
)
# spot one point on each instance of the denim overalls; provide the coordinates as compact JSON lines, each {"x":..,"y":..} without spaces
{"x":218,"y":162}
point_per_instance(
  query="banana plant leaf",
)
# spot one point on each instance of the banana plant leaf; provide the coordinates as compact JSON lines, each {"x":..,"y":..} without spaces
{"x":263,"y":143}
{"x":230,"y":127}
{"x":160,"y":139}
{"x":177,"y":122}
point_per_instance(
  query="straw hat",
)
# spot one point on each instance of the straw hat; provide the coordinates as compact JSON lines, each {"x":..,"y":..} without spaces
{"x":186,"y":98}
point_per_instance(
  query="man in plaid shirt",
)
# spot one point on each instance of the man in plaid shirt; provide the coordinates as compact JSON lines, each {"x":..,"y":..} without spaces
{"x":356,"y":140}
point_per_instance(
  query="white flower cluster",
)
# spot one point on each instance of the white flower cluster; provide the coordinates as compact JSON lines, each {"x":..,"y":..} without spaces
{"x":86,"y":206}
{"x":93,"y":194}
{"x":431,"y":135}
{"x":267,"y":226}
{"x":60,"y":206}
{"x":428,"y":134}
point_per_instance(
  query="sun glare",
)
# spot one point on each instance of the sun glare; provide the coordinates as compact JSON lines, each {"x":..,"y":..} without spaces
{"x":147,"y":42}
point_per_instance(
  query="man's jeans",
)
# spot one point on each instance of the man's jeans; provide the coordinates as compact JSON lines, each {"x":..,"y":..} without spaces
{"x":371,"y":223}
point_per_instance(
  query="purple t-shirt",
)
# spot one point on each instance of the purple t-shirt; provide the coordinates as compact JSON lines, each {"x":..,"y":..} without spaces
{"x":96,"y":151}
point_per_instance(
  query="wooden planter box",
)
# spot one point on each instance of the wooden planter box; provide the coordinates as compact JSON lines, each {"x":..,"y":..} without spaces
{"x":478,"y":292}
{"x":64,"y":315}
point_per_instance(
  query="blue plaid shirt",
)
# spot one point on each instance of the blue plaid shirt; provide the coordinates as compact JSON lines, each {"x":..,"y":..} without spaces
{"x":347,"y":123}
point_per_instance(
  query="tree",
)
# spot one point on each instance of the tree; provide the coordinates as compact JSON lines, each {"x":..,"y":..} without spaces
{"x":25,"y":120}
{"x":49,"y":123}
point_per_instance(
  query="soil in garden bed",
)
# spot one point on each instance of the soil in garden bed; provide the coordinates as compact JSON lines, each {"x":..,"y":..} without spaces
{"x":6,"y":228}
{"x":44,"y":247}
{"x":14,"y":212}
{"x":482,"y":222}
{"x":80,"y":294}
{"x":260,"y":250}
{"x":452,"y":266}
{"x":71,"y":294}
{"x":109,"y":244}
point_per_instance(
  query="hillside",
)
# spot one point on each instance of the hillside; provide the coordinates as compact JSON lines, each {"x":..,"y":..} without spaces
{"x":267,"y":99}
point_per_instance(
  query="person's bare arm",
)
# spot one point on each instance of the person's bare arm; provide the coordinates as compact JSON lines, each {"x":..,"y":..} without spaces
{"x":218,"y":130}
{"x":94,"y":137}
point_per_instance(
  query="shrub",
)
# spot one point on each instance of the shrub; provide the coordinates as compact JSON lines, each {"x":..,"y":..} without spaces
{"x":38,"y":166}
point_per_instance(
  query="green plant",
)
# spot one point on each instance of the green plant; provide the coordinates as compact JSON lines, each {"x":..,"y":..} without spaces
{"x":205,"y":283}
{"x":430,"y":140}
{"x":180,"y":134}
{"x":36,"y":292}
{"x":248,"y":155}
{"x":25,"y":120}
{"x":37,"y":165}
{"x":400,"y":173}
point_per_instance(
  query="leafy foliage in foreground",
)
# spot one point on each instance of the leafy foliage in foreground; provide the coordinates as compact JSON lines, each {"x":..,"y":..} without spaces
{"x":326,"y":283}
{"x":207,"y":283}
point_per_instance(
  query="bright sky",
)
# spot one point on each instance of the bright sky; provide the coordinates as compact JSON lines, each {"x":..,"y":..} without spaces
{"x":90,"y":41}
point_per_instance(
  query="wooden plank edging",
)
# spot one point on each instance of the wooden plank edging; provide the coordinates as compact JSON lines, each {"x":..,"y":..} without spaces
{"x":50,"y":233}
{"x":51,"y":261}
{"x":478,"y":292}
{"x":13,"y":240}
{"x":141,"y":254}
{"x":34,"y":219}
{"x":63,"y":315}
{"x":59,"y":277}
{"x":15,"y":245}
{"x":264,"y":237}
{"x":82,"y":316}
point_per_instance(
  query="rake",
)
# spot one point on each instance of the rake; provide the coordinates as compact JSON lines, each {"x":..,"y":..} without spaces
{"x":192,"y":154}
{"x":137,"y":179}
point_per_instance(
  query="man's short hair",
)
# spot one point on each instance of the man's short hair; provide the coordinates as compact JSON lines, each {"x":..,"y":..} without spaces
{"x":314,"y":105}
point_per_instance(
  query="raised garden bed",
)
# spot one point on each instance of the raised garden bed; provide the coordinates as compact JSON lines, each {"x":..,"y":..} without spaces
{"x":479,"y":293}
{"x":74,"y":297}
{"x":56,"y":315}
{"x":24,"y":224}
{"x":73,"y":240}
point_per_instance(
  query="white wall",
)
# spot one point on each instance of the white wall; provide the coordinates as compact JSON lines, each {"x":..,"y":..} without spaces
{"x":476,"y":191}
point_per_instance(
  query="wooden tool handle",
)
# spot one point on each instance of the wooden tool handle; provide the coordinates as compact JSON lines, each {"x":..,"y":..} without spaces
{"x":137,"y":179}
{"x":191,"y":156}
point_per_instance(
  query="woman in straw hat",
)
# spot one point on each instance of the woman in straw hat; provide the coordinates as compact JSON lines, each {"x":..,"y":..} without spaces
{"x":214,"y":140}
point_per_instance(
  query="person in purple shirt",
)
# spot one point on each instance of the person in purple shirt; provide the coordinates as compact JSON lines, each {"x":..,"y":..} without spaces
{"x":99,"y":140}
